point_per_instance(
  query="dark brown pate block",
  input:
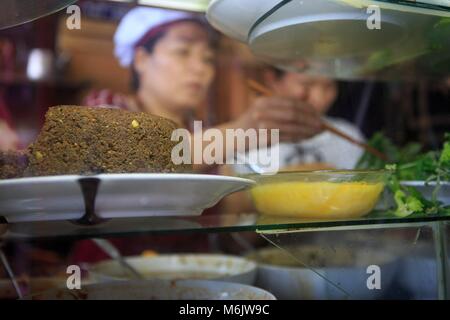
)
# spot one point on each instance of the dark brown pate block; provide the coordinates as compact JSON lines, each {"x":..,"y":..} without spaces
{"x":83,"y":140}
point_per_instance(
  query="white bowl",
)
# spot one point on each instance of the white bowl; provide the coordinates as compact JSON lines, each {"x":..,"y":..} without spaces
{"x":179,"y":267}
{"x":157,"y":289}
{"x":347,"y":270}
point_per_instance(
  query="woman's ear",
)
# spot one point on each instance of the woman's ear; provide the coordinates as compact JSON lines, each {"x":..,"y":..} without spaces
{"x":141,"y":57}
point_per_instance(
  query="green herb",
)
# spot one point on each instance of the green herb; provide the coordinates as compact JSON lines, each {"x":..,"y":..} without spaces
{"x":406,"y":164}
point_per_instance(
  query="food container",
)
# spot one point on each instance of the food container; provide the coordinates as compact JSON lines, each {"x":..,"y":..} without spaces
{"x":157,"y":289}
{"x":305,"y":277}
{"x":318,"y":194}
{"x":179,"y":267}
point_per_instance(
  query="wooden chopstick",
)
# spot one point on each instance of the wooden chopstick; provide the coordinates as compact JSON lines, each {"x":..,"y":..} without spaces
{"x":363,"y":145}
{"x":260,"y":88}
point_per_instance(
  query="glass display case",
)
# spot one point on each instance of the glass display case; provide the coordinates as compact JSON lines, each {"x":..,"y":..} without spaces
{"x":377,"y":256}
{"x":367,"y":258}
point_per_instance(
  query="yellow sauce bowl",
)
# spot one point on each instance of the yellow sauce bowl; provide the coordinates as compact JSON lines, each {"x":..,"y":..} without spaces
{"x":317,"y":199}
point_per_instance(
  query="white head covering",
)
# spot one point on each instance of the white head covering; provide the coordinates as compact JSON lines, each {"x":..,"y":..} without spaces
{"x":136,"y":23}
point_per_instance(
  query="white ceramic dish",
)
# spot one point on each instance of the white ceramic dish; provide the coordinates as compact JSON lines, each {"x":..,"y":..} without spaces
{"x":221,"y":14}
{"x":41,"y":199}
{"x":118,"y":195}
{"x":159,"y":290}
{"x":328,"y":37}
{"x":122,"y":195}
{"x":288,"y":280}
{"x":179,"y":267}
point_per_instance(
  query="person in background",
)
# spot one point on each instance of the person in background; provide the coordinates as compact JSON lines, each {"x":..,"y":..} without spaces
{"x":322,"y":151}
{"x":171,"y":56}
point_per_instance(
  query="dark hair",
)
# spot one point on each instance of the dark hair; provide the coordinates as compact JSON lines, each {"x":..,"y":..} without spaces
{"x":149,"y":45}
{"x":277,"y":72}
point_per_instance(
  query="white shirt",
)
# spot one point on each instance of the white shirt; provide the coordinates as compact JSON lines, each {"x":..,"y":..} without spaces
{"x":325,"y":147}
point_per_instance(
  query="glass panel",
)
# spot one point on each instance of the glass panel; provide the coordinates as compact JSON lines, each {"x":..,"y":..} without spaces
{"x":389,"y":263}
{"x":204,"y":223}
{"x":371,"y":264}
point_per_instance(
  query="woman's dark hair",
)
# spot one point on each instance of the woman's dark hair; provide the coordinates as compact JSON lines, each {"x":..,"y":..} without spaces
{"x":277,"y":72}
{"x":149,"y":44}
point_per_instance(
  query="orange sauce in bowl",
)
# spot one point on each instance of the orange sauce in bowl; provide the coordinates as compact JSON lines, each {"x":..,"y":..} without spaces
{"x":317,"y":200}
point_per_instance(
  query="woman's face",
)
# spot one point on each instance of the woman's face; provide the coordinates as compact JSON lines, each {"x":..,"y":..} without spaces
{"x":180,"y":69}
{"x":319,"y":92}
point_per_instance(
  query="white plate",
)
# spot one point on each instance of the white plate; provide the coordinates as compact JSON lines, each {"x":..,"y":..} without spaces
{"x":41,"y":199}
{"x":179,"y":267}
{"x":118,"y":195}
{"x":159,"y":290}
{"x":331,"y":37}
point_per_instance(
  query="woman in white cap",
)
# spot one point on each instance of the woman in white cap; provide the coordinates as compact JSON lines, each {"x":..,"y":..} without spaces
{"x":171,"y":58}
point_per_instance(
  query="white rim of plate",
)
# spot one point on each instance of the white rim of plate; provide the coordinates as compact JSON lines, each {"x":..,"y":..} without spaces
{"x":126,"y":176}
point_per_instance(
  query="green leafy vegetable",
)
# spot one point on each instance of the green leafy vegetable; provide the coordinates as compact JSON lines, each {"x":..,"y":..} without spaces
{"x":406,"y":205}
{"x":406,"y":164}
{"x":444,"y":159}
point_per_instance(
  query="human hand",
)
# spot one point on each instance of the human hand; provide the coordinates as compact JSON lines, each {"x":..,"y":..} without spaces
{"x":295,"y":120}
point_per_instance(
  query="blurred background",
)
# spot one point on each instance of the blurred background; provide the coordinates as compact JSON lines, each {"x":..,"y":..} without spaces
{"x":74,"y":62}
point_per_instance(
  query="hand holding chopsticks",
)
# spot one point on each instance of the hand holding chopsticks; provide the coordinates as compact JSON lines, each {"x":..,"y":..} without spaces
{"x":256,"y":86}
{"x":294,"y":122}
